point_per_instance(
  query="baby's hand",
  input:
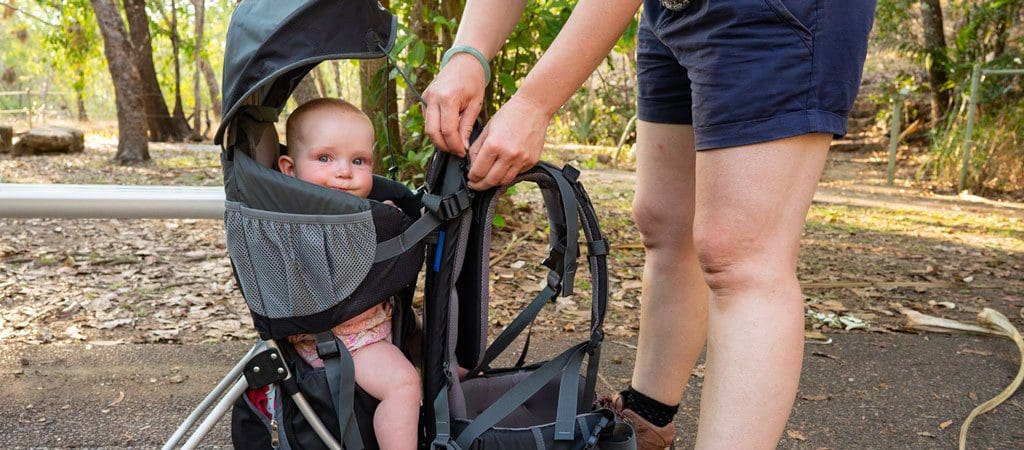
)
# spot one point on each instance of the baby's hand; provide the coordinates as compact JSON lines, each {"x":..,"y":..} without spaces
{"x":390,"y":203}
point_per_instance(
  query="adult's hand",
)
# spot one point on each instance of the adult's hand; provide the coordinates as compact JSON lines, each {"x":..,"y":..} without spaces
{"x":453,"y":101}
{"x":510,"y":143}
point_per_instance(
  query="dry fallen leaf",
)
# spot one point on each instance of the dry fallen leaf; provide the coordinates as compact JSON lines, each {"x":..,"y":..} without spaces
{"x":968,"y":351}
{"x":925,"y":434}
{"x":946,"y":424}
{"x":119,"y":399}
{"x":831,"y":306}
{"x":973,"y":396}
{"x":796,"y":435}
{"x":632,"y":285}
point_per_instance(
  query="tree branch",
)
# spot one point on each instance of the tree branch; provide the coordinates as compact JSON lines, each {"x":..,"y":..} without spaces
{"x":29,"y":15}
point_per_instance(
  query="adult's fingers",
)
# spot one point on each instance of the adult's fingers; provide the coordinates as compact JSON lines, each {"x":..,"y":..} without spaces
{"x":467,"y":120}
{"x":432,"y":123}
{"x":449,"y":124}
{"x":494,"y":175}
{"x":510,"y":175}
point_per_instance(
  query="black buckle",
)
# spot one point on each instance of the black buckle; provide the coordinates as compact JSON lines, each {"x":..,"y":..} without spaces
{"x":556,"y":257}
{"x":453,"y":205}
{"x":448,"y":207}
{"x":571,"y":173}
{"x":441,"y":441}
{"x":327,"y":345}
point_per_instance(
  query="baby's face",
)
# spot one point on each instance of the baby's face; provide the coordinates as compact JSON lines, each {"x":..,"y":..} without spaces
{"x":332,"y":149}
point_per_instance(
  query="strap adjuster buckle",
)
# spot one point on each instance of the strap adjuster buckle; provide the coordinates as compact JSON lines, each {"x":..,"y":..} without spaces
{"x":453,"y":205}
{"x":327,"y":347}
{"x":448,"y":207}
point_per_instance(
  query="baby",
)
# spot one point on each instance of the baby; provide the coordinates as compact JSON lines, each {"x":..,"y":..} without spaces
{"x":330,"y":143}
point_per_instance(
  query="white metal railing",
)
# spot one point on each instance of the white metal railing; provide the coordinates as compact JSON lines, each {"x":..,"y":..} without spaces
{"x":78,"y":201}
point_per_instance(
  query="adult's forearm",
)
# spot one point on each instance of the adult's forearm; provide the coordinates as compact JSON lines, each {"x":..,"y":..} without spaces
{"x":585,"y":40}
{"x":487,"y":24}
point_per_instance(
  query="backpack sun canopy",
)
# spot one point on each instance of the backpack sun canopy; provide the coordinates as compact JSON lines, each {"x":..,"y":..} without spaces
{"x":272,"y":44}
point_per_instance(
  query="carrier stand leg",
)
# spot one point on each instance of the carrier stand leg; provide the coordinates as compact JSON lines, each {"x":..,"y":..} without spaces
{"x":237,"y":389}
{"x":232,"y":375}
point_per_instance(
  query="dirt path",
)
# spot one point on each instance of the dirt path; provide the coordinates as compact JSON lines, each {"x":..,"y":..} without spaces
{"x":862,"y":391}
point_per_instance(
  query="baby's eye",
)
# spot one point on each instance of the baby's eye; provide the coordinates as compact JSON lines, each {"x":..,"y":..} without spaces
{"x":323,"y":158}
{"x":358,"y":161}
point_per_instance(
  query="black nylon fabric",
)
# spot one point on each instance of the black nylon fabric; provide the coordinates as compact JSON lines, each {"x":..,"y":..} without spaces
{"x":275,"y":55}
{"x":258,"y":187}
{"x":527,"y":438}
{"x":249,"y":427}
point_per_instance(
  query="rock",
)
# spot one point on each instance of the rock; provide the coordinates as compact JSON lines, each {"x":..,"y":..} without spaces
{"x":50,"y":139}
{"x":6,"y":133}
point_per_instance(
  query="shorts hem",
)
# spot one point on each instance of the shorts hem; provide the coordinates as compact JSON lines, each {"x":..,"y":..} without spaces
{"x":773,"y":128}
{"x":664,"y":112}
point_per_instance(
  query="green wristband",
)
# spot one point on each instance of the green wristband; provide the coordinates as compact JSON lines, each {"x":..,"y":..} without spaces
{"x":472,"y":51}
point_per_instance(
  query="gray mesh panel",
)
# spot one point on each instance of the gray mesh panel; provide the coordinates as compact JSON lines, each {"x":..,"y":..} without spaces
{"x":296,"y":265}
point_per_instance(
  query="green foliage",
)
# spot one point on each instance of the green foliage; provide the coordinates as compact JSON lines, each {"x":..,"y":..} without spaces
{"x":985,"y":32}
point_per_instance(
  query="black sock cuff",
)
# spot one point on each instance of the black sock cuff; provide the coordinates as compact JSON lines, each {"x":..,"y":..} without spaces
{"x":658,"y":413}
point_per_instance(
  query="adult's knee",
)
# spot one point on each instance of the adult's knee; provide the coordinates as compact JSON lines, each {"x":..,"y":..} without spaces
{"x":661,"y":227}
{"x":736,"y":258}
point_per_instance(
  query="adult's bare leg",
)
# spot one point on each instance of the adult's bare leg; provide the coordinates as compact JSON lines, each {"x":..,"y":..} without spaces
{"x":751,"y":202}
{"x":673,"y":308}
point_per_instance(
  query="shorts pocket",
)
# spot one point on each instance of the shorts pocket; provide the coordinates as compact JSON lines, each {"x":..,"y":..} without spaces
{"x":786,"y":16}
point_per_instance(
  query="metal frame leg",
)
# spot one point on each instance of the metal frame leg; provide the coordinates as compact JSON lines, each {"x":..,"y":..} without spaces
{"x":238,"y":385}
{"x":232,"y":376}
{"x":222,"y":407}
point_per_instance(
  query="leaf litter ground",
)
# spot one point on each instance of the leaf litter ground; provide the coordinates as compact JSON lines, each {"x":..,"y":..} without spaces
{"x":109,"y":281}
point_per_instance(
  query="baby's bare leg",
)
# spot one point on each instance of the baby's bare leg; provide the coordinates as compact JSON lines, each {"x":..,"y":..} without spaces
{"x":383,"y":372}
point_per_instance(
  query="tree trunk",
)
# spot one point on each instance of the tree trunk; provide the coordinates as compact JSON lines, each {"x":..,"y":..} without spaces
{"x":197,"y":115}
{"x":935,"y":47}
{"x":423,"y":29}
{"x":318,"y":78}
{"x":451,"y":9}
{"x":380,"y":102}
{"x":211,"y":84}
{"x":132,"y":146}
{"x":80,"y":102}
{"x":158,"y":118}
{"x":179,"y":111}
{"x":338,"y":86}
{"x":79,"y":87}
{"x":306,"y":90}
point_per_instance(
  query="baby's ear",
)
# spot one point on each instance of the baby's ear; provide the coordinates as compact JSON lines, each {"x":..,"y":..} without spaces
{"x":286,"y":165}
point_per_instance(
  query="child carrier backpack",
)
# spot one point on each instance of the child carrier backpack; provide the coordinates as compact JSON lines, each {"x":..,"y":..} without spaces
{"x":307,"y":258}
{"x":548,"y":404}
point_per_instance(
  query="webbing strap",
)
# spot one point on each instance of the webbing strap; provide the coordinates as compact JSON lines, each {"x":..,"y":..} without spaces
{"x":593,"y":362}
{"x":341,"y":380}
{"x":522,"y":392}
{"x":572,"y":232}
{"x":514,"y":329}
{"x":442,"y":425}
{"x":568,"y":400}
{"x":397,"y":245}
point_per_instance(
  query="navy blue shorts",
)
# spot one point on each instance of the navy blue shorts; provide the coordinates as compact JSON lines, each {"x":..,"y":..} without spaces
{"x":749,"y":71}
